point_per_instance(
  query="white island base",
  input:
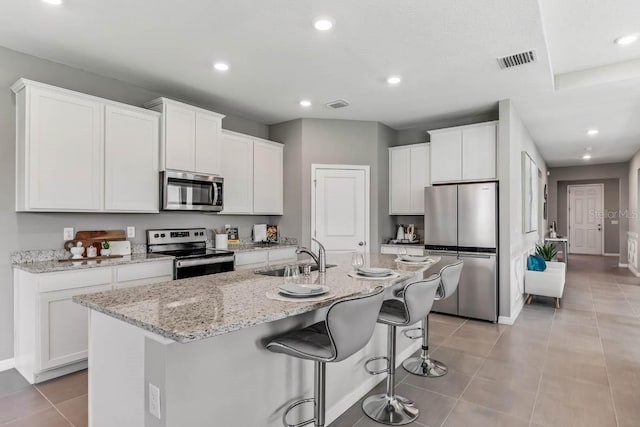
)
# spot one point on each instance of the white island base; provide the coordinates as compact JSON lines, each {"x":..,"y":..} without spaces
{"x":224,"y":381}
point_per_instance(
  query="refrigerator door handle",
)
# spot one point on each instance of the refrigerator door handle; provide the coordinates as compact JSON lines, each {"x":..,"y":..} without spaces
{"x":475,"y":256}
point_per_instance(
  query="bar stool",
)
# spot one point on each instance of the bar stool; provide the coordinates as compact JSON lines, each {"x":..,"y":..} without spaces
{"x":414,"y":304}
{"x":348,"y":327}
{"x":423,"y":365}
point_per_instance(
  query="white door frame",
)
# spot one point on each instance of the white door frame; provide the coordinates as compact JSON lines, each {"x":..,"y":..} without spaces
{"x":367,"y":198}
{"x":569,"y":213}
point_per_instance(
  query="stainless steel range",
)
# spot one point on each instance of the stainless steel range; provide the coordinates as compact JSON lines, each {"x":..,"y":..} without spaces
{"x":189,"y":246}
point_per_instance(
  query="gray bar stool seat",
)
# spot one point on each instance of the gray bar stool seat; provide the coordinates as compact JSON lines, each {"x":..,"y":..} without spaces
{"x":414,"y":304}
{"x":347,"y":328}
{"x":423,"y":365}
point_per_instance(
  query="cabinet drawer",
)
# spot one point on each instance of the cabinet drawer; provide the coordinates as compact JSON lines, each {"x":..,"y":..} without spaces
{"x":149,"y":270}
{"x":284,"y":254}
{"x":251,"y":257}
{"x":75,"y":279}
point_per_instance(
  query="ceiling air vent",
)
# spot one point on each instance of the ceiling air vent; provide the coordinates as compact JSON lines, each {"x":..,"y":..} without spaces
{"x":517,"y":59}
{"x":338,"y":103}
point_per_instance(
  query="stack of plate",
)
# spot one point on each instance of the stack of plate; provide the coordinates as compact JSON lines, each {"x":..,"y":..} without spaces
{"x":374,"y":272}
{"x":414,"y":258}
{"x":294,"y":290}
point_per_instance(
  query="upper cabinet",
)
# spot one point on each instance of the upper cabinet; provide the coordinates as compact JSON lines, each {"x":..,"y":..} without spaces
{"x":408,"y":176}
{"x":190,"y":137}
{"x":465,"y":153}
{"x":253,"y":174}
{"x":80,"y":153}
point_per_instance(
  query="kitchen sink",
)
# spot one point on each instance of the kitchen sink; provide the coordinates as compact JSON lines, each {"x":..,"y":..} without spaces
{"x":279,"y":272}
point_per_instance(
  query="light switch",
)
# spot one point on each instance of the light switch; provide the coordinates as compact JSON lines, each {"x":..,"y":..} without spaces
{"x":67,"y":233}
{"x":131,"y":232}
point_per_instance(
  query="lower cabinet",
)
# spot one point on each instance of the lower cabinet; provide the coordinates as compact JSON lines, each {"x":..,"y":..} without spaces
{"x":50,"y":330}
{"x":253,"y":259}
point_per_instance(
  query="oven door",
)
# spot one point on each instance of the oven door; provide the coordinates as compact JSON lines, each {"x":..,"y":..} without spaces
{"x":188,"y":191}
{"x":203,"y":266}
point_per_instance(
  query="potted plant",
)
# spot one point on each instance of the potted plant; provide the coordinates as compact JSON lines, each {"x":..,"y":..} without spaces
{"x":546,"y":251}
{"x":106,"y":249}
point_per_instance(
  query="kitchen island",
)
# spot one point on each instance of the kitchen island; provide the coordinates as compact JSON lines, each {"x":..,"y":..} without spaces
{"x":199,"y":344}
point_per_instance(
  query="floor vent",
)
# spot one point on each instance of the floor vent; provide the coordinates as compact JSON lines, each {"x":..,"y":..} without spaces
{"x":338,"y":103}
{"x":517,"y":59}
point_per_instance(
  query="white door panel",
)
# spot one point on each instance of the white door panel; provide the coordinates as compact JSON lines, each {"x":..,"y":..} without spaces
{"x":341,"y":209}
{"x":585,"y":219}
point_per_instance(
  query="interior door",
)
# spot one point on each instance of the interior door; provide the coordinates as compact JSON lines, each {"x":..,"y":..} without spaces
{"x":341,"y":212}
{"x":585,"y":219}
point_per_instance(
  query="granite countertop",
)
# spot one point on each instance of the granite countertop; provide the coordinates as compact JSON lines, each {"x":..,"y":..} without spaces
{"x":245,"y":247}
{"x":196,"y":308}
{"x":53,"y":266}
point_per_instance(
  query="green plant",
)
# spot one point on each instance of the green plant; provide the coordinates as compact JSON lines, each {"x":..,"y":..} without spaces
{"x":547,"y":251}
{"x":105,"y":244}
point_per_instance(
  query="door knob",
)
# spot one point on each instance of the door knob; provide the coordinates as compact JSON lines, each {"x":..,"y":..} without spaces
{"x":360,"y":243}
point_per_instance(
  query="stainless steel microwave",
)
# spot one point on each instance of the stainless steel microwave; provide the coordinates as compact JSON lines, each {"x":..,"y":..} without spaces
{"x":188,"y":191}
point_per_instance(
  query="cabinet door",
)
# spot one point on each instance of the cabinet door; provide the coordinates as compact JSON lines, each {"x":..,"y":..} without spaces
{"x":282,"y":254}
{"x":420,"y":177}
{"x":237,"y":170}
{"x":64,"y":332}
{"x":267,"y":178}
{"x":179,"y":137}
{"x":131,"y":160}
{"x":479,"y":152}
{"x":128,"y":276}
{"x":400,"y":180}
{"x":252,"y":259}
{"x":207,"y":144}
{"x":446,"y":152}
{"x":64,"y":152}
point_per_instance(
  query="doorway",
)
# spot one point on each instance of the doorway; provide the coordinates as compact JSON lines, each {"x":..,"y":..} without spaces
{"x":585,"y":218}
{"x":340,"y":208}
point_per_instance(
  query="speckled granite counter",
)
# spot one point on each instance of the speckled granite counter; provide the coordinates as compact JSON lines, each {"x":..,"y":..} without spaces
{"x":245,"y":247}
{"x":54,"y":265}
{"x":201,"y":307}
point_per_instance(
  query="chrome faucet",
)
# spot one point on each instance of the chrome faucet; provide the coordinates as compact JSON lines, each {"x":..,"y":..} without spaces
{"x":320,"y":259}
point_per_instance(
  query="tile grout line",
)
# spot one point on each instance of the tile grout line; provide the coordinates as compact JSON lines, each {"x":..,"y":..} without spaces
{"x":546,"y":354}
{"x":54,"y":406}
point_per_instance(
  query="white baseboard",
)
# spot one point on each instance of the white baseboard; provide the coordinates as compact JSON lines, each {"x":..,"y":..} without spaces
{"x":607,"y":254}
{"x":621,"y":265}
{"x":5,"y":365}
{"x":341,"y":407}
{"x":510,"y":320}
{"x":633,"y":270}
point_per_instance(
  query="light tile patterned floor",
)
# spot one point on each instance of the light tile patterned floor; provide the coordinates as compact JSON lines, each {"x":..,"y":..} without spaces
{"x":577,"y":366}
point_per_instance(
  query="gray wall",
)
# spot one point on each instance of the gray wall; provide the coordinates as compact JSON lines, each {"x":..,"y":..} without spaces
{"x":611,"y":207}
{"x":44,"y":231}
{"x":593,"y":173}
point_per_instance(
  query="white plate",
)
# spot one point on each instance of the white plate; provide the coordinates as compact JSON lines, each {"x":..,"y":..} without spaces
{"x":414,"y":258}
{"x":374,"y":272}
{"x":355,"y":275}
{"x":302,"y":290}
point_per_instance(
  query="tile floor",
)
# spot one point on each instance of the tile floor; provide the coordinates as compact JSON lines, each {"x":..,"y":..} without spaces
{"x":577,"y":366}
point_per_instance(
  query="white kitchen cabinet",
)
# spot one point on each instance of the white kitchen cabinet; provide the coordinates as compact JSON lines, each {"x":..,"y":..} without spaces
{"x":80,"y":153}
{"x":253,"y":172}
{"x":131,"y":159}
{"x":237,"y":171}
{"x":465,"y":153}
{"x":408,"y":176}
{"x":59,"y":144}
{"x":50,"y":330}
{"x":252,"y":259}
{"x":393,"y":249}
{"x":281,"y":255}
{"x":190,"y":137}
{"x":268,"y":186}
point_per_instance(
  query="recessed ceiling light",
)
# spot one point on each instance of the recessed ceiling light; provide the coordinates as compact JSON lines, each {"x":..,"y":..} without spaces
{"x":394,"y":80}
{"x":305,"y":103}
{"x":628,"y":39}
{"x":323,"y":24}
{"x":593,"y":132}
{"x":53,"y":2}
{"x":221,"y":66}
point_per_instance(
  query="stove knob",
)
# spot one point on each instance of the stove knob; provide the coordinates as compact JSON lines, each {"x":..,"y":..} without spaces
{"x":162,"y":235}
{"x":156,"y":235}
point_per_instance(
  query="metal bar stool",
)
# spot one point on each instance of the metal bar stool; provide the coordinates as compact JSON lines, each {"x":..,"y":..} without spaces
{"x":414,"y":304}
{"x":348,"y":327}
{"x":423,"y":365}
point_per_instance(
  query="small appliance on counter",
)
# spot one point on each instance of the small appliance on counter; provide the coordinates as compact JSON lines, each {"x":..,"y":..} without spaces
{"x":259,"y":233}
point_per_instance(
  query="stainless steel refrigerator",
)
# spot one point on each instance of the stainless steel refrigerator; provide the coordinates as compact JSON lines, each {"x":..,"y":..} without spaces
{"x":461,"y":222}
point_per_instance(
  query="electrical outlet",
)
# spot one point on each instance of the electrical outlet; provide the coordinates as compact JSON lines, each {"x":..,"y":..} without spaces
{"x":68,"y":233}
{"x":154,"y":401}
{"x":131,"y":232}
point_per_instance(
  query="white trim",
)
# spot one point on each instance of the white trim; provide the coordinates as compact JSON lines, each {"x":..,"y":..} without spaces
{"x":350,"y":399}
{"x":569,"y":217}
{"x":510,"y":320}
{"x":7,"y":364}
{"x":633,"y":270}
{"x":608,"y":254}
{"x":367,"y":197}
{"x":621,"y":265}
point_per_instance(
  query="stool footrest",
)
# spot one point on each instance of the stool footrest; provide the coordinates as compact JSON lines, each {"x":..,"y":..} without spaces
{"x":378,"y":371}
{"x":292,"y":406}
{"x":407,"y":333}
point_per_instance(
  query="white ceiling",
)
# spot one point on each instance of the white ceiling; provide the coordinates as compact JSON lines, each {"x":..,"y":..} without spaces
{"x":445,"y":51}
